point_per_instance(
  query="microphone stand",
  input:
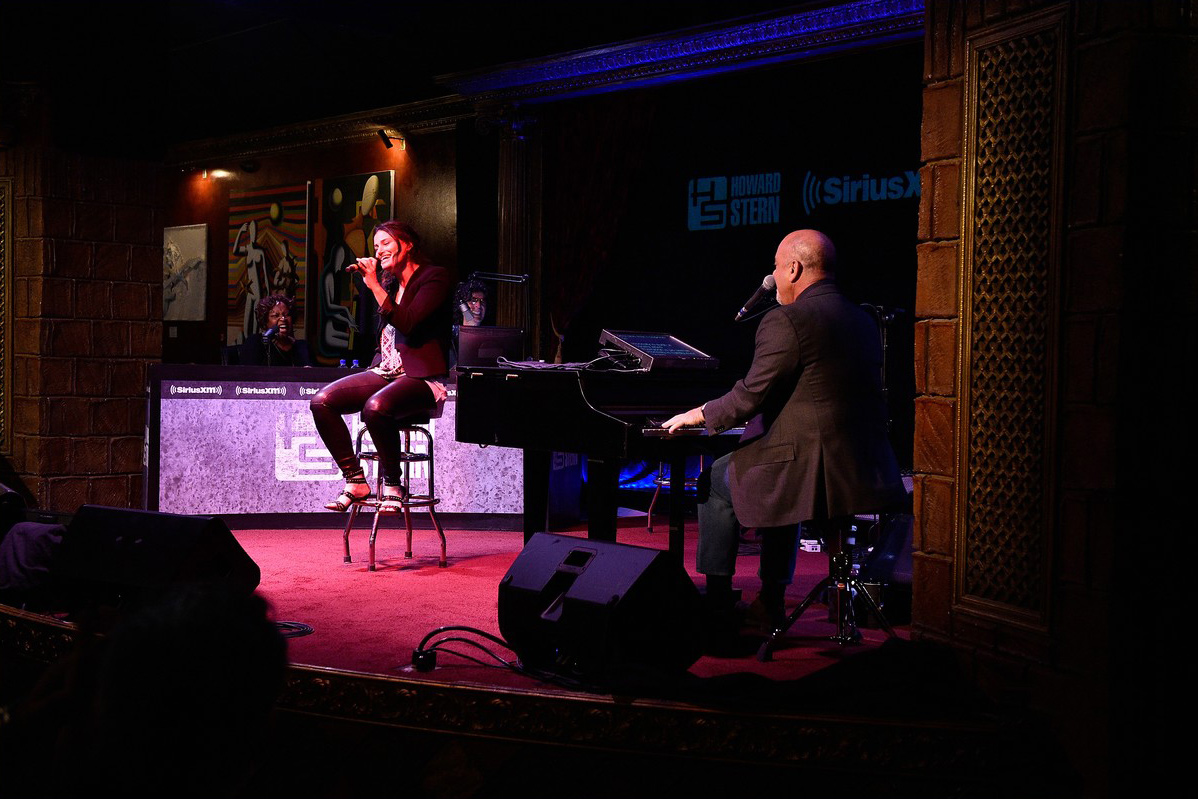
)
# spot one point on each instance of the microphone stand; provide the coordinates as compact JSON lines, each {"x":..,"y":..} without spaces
{"x":268,"y":339}
{"x":499,"y":277}
{"x":883,"y":319}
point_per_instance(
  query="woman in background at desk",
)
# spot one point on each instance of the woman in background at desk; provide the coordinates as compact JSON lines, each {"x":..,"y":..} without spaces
{"x":276,"y":345}
{"x":406,"y":377}
{"x":470,"y":309}
{"x":472,"y":304}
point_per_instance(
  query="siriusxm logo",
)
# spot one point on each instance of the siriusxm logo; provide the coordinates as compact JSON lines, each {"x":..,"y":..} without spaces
{"x":275,"y":391}
{"x":847,"y":189}
{"x":176,"y":389}
{"x":719,"y":202}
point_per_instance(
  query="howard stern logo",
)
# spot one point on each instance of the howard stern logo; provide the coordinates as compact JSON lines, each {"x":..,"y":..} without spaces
{"x":720,"y":202}
{"x":861,"y":189}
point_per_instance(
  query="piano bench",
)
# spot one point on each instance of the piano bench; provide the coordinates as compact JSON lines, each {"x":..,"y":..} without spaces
{"x":663,"y":479}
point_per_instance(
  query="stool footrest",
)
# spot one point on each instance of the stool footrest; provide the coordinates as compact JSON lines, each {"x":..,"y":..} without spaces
{"x":409,"y":501}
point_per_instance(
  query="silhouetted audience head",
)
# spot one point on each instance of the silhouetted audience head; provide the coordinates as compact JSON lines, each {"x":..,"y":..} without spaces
{"x":184,"y":696}
{"x":12,"y":508}
{"x":27,"y":554}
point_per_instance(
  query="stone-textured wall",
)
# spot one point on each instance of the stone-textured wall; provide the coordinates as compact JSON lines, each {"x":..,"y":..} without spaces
{"x":86,"y":293}
{"x":936,"y":301}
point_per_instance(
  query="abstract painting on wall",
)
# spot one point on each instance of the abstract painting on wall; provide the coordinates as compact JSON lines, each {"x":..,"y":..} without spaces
{"x":184,"y":273}
{"x":348,"y":210}
{"x":268,"y":254}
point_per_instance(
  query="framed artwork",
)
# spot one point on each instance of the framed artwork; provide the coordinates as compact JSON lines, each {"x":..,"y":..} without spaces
{"x":268,"y":254}
{"x":184,"y":273}
{"x":348,"y":208}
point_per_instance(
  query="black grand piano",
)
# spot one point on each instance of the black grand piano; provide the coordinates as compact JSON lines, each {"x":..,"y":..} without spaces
{"x":609,"y":410}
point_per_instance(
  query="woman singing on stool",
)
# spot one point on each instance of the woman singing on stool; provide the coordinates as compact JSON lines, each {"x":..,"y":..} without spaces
{"x":405,"y":377}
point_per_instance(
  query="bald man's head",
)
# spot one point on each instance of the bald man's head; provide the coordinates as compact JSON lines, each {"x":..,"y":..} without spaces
{"x":812,"y":249}
{"x":803,"y":257}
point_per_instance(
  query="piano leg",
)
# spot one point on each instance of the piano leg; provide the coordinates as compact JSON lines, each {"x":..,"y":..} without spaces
{"x":603,"y":477}
{"x":536,"y":492}
{"x":677,"y":506}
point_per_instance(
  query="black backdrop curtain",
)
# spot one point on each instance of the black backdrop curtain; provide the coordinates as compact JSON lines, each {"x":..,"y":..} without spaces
{"x":591,"y":148}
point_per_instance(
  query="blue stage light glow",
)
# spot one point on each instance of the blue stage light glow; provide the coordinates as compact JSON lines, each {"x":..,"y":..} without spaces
{"x":640,"y":475}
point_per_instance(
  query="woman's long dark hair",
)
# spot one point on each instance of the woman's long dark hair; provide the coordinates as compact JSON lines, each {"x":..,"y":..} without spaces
{"x":400,"y":231}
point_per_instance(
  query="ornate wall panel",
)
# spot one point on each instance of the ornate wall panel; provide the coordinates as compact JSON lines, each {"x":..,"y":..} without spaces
{"x":1012,"y":164}
{"x":7,"y":270}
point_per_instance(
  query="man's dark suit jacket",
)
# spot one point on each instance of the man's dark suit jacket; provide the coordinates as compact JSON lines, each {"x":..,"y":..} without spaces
{"x":816,"y":445}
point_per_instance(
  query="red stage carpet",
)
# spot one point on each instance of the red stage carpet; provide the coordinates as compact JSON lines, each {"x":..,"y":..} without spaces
{"x":372,"y":621}
{"x":354,"y":719}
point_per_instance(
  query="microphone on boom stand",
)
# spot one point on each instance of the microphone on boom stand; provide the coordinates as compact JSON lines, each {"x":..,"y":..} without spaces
{"x":767,"y":287}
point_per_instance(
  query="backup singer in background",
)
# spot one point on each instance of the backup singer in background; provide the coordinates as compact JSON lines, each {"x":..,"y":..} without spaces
{"x":815,"y":445}
{"x":407,"y":373}
{"x":276,"y":345}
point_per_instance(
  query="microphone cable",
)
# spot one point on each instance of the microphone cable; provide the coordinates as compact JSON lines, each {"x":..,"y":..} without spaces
{"x":424,"y":657}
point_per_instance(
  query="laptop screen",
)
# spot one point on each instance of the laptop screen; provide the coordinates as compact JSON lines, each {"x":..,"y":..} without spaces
{"x":483,"y":346}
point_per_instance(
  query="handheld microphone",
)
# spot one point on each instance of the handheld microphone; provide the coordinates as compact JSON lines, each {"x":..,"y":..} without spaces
{"x":767,"y":287}
{"x":269,"y":334}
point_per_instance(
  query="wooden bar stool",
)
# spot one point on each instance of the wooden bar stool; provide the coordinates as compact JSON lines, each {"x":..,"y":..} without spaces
{"x":411,"y":428}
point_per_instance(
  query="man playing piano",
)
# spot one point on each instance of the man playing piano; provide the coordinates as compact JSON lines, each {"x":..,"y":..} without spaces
{"x":815,"y":445}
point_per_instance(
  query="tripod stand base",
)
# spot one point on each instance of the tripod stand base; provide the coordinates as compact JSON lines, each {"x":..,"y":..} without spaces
{"x":846,"y":585}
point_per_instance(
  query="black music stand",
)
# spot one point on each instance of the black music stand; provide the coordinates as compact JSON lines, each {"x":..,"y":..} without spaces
{"x":845,"y":583}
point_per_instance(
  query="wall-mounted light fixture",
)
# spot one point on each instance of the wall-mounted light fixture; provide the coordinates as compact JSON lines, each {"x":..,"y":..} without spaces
{"x":216,"y":173}
{"x":389,"y":138}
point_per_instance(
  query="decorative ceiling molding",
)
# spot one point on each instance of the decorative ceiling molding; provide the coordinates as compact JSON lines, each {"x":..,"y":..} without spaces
{"x":413,"y":118}
{"x":682,"y":55}
{"x":696,"y":52}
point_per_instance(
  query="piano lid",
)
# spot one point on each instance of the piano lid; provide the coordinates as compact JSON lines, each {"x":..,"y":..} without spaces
{"x":576,"y":410}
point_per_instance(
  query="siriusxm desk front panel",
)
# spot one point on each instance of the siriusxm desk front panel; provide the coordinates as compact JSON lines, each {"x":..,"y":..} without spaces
{"x":240,"y":440}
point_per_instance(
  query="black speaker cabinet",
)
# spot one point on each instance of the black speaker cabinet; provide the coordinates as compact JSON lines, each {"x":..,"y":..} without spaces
{"x":598,"y":610}
{"x":121,"y":557}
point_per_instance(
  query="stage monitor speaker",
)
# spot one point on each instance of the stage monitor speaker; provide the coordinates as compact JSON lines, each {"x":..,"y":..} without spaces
{"x":124,"y":558}
{"x":599,"y":611}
